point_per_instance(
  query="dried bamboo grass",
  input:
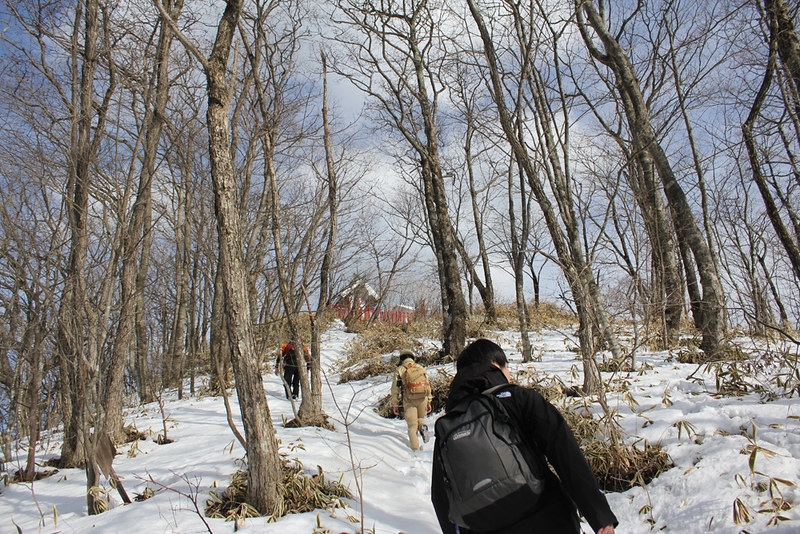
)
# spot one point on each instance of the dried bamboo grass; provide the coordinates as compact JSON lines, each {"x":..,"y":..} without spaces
{"x":617,"y":465}
{"x":366,"y":355}
{"x":298,"y":493}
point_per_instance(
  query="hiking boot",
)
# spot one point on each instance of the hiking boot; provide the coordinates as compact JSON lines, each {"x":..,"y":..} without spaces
{"x":423,"y":431}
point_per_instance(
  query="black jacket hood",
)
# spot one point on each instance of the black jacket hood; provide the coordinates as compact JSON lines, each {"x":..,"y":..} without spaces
{"x":472,"y":380}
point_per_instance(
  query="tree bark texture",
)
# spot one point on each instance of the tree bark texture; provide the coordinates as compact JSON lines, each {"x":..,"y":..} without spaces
{"x":783,"y":42}
{"x":327,"y":257}
{"x":659,"y":232}
{"x":455,"y":318}
{"x":263,"y":461}
{"x":71,"y":334}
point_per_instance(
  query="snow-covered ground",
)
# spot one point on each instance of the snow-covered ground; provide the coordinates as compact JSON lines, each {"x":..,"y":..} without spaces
{"x":710,"y":453}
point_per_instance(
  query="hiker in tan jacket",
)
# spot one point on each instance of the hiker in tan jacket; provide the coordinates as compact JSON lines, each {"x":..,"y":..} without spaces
{"x":411,"y":387}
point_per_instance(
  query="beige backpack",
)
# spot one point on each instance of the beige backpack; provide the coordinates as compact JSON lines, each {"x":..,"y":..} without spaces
{"x":415,"y":382}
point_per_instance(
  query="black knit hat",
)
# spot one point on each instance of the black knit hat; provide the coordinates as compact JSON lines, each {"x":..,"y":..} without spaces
{"x":406,"y":353}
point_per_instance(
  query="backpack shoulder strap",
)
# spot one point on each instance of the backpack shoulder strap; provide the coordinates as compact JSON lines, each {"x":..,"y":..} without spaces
{"x":486,"y":395}
{"x":491,"y":393}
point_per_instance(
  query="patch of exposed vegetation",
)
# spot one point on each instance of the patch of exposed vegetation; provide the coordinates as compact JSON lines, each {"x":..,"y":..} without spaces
{"x":298,"y":491}
{"x":428,"y":327}
{"x":617,"y":465}
{"x":355,"y":368}
{"x":616,"y":366}
{"x":549,"y":315}
{"x":370,"y":354}
{"x":229,"y":504}
{"x":540,"y":317}
{"x":620,"y":466}
{"x":19,"y":476}
{"x":133,"y":434}
{"x":382,"y":338}
{"x":769,"y":373}
{"x":303,"y":493}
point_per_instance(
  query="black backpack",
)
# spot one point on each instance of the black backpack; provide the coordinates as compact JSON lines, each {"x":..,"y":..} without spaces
{"x":491,"y":478}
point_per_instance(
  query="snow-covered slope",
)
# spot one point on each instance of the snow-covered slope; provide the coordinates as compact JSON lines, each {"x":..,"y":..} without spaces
{"x":711,"y":458}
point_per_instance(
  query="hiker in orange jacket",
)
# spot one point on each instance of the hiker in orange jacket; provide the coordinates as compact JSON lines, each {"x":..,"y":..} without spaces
{"x":287,"y":359}
{"x":411,"y":387}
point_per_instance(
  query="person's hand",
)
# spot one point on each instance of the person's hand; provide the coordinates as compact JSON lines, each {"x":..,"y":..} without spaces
{"x":277,"y":372}
{"x":429,"y":408}
{"x":396,"y":410}
{"x":608,"y":529}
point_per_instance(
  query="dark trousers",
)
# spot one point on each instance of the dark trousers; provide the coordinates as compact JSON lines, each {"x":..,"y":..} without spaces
{"x":291,"y":377}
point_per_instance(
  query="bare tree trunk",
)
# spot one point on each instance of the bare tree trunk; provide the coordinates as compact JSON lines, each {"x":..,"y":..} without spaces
{"x":194,"y":334}
{"x":773,"y":290}
{"x":131,"y":247}
{"x":667,"y":289}
{"x":269,"y":107}
{"x":176,"y":354}
{"x":263,"y":461}
{"x":487,"y":295}
{"x":454,"y":306}
{"x":777,"y":40}
{"x":144,"y":380}
{"x":411,"y":105}
{"x":485,"y":287}
{"x":568,"y":248}
{"x":535,"y":275}
{"x":305,"y":413}
{"x":657,"y":225}
{"x":218,"y":335}
{"x":788,"y":45}
{"x":698,"y":168}
{"x":455,"y":317}
{"x":79,"y":334}
{"x":485,"y":291}
{"x":327,"y":258}
{"x":36,"y":336}
{"x":72,"y":315}
{"x":518,"y":240}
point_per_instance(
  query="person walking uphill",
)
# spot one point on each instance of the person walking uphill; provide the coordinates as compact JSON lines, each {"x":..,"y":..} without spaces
{"x":489,"y":471}
{"x":291,"y":371}
{"x":411,"y":387}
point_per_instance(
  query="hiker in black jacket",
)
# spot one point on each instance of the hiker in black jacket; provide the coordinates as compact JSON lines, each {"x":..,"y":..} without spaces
{"x":288,"y":365}
{"x":482,"y":365}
